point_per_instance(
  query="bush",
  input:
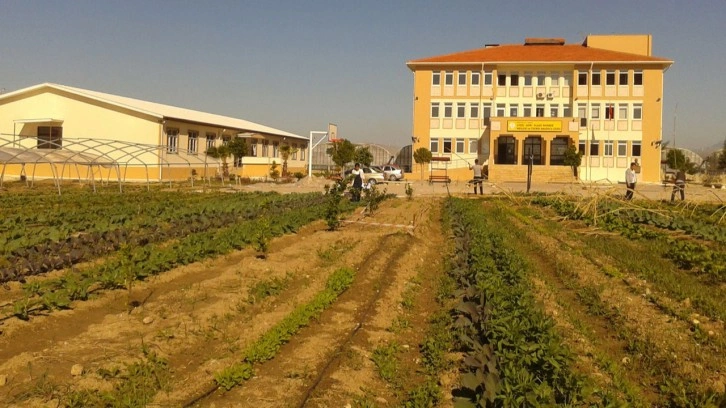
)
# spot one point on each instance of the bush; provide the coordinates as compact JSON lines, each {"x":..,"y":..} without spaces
{"x":299,"y":175}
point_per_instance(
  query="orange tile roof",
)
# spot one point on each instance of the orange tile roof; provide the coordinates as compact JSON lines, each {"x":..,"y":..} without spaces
{"x":517,"y":53}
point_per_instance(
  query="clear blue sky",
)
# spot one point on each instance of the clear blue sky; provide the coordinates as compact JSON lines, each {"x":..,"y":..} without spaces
{"x":297,"y":65}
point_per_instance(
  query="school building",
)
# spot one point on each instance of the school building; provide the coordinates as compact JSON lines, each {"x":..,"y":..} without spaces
{"x":507,"y":105}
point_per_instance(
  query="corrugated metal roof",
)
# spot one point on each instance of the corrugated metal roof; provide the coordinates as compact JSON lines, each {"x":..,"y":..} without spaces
{"x":160,"y":110}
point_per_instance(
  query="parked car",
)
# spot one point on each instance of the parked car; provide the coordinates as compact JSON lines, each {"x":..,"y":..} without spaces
{"x":370,"y":175}
{"x":391,"y":172}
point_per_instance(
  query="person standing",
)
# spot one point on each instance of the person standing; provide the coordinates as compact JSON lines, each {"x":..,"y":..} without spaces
{"x":357,"y":173}
{"x":679,"y":186}
{"x":630,"y":179}
{"x":478,"y":176}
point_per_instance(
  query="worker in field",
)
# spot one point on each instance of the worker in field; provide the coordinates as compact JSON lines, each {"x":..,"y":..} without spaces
{"x":679,"y":186}
{"x":630,"y":179}
{"x":478,"y":176}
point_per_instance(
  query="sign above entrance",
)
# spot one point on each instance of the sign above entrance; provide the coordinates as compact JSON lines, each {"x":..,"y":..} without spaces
{"x":534,"y":125}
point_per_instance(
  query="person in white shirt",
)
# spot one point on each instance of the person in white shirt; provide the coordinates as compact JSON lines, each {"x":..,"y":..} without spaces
{"x":630,"y":179}
{"x":478,"y":176}
{"x":357,"y":173}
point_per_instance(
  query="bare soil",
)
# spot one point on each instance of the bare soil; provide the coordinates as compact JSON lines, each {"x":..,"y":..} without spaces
{"x":199,"y":318}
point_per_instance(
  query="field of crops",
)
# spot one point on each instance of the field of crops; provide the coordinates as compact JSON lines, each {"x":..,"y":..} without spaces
{"x":172,"y":298}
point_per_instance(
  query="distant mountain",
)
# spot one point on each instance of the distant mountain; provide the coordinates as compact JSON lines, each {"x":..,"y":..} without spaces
{"x":706,"y":151}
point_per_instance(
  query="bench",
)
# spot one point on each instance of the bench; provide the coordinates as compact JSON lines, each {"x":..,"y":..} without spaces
{"x":439,"y":179}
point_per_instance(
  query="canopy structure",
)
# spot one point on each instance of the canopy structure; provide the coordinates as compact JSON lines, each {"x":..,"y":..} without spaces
{"x":115,"y":156}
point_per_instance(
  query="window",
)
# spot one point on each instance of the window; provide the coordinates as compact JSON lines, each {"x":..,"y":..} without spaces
{"x":558,"y":147}
{"x":474,"y":79}
{"x":211,"y":138}
{"x":527,"y":110}
{"x":533,"y":147}
{"x":448,"y":109}
{"x":566,"y":78}
{"x":638,"y":111}
{"x":473,"y":146}
{"x":461,"y":110}
{"x":609,"y":111}
{"x":488,"y":78}
{"x":447,"y":145}
{"x":172,"y":140}
{"x":486,"y":110}
{"x":622,"y":111}
{"x":303,"y":148}
{"x":527,"y":79}
{"x":265,"y":148}
{"x":540,"y":79}
{"x":501,"y":79}
{"x":434,"y":109}
{"x":275,"y":149}
{"x":581,"y":78}
{"x":513,"y":110}
{"x":594,"y":148}
{"x":514,"y":80}
{"x":610,"y":78}
{"x":581,"y":147}
{"x":506,"y":150}
{"x":192,"y":142}
{"x":474,"y":110}
{"x":434,"y":145}
{"x":554,"y":110}
{"x":539,"y":110}
{"x":462,"y":77}
{"x":501,"y":109}
{"x":294,"y":151}
{"x":623,"y":80}
{"x":555,"y":79}
{"x":449,"y":78}
{"x":566,"y":111}
{"x":581,"y":110}
{"x":253,"y":147}
{"x":436,"y":78}
{"x":622,"y":148}
{"x":50,"y":137}
{"x":595,"y":111}
{"x":459,"y":145}
{"x":636,"y":149}
{"x":596,"y":77}
{"x":638,"y":78}
{"x":608,"y":148}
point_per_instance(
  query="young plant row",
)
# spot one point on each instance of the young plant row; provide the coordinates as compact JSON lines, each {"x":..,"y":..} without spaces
{"x":137,"y":263}
{"x":84,"y":247}
{"x":512,"y":353}
{"x":267,"y":346}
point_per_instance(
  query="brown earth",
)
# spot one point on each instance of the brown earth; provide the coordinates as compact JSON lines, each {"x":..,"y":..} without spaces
{"x":199,"y":318}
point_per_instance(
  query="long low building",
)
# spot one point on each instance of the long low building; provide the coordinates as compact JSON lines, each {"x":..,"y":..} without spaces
{"x":146,"y":140}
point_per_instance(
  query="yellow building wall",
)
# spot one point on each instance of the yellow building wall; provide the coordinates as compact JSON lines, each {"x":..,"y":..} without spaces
{"x":652,"y":125}
{"x":631,"y":43}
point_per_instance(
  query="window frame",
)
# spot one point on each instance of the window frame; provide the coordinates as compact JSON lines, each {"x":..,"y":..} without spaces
{"x":632,"y":148}
{"x":610,"y":77}
{"x":513,"y":110}
{"x":488,"y":78}
{"x":474,"y":110}
{"x":623,"y":111}
{"x":436,"y":78}
{"x":637,"y":111}
{"x":461,"y":76}
{"x":477,"y":81}
{"x":609,"y":111}
{"x":594,"y":148}
{"x":475,"y":143}
{"x":582,"y":78}
{"x":460,"y":145}
{"x":638,"y":78}
{"x":172,"y":140}
{"x":192,"y":141}
{"x":607,"y":150}
{"x":624,"y":145}
{"x":620,"y":77}
{"x":514,"y":79}
{"x":435,"y":110}
{"x":449,"y":78}
{"x":448,"y":110}
{"x":461,"y":109}
{"x":596,"y":78}
{"x":434,"y":142}
{"x":501,"y":79}
{"x":211,"y":140}
{"x":51,"y":140}
{"x":447,"y":141}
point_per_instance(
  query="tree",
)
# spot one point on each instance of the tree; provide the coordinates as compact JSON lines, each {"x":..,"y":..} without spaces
{"x":341,"y":152}
{"x":220,"y":153}
{"x":573,"y":158}
{"x":238,"y":148}
{"x":274,"y":172}
{"x":722,"y":157}
{"x":285,"y":151}
{"x":678,"y":161}
{"x":422,"y":156}
{"x":363,"y":156}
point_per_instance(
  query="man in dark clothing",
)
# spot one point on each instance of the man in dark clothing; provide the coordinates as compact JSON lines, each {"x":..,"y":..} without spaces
{"x":679,"y":186}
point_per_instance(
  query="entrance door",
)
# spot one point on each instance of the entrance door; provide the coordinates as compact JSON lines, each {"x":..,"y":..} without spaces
{"x":506,"y":150}
{"x":533,"y":146}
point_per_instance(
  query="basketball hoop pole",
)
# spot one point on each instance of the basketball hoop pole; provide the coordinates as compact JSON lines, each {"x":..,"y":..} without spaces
{"x":312,"y":147}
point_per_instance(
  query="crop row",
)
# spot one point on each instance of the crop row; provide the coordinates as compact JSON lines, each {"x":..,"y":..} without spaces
{"x":137,"y":263}
{"x":702,"y":259}
{"x":512,"y":353}
{"x":49,"y":255}
{"x":24,"y":228}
